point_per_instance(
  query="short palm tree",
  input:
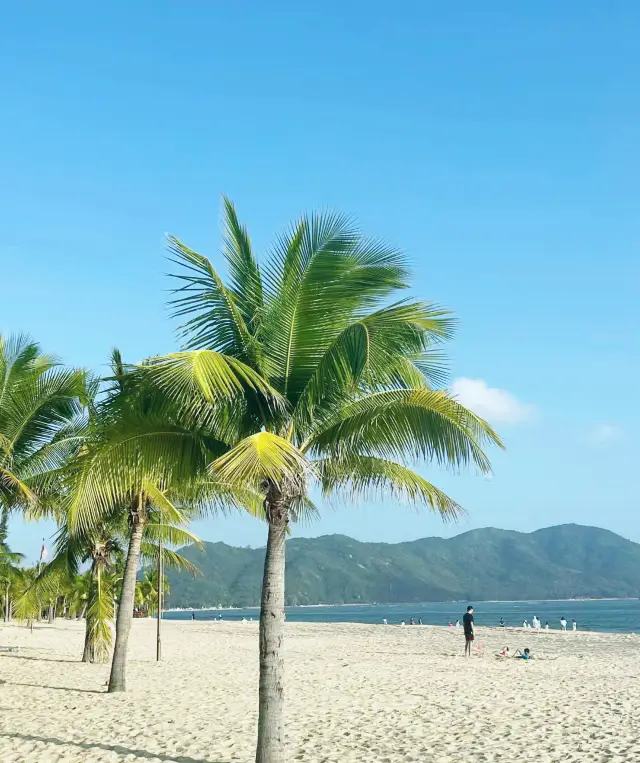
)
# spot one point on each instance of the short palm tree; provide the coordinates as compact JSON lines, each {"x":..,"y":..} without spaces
{"x":306,"y":371}
{"x":9,"y":569}
{"x":143,"y":462}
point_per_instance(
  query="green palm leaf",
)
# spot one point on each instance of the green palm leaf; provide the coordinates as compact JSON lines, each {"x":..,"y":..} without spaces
{"x":369,"y":477}
{"x":415,"y":423}
{"x":262,"y":458}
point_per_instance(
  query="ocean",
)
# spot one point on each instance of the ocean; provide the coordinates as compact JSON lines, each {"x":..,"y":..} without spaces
{"x":608,"y":616}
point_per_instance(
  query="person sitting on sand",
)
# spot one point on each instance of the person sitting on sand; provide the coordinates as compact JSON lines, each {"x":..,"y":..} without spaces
{"x":526,"y":655}
{"x":501,"y":623}
{"x":525,"y":624}
{"x":504,"y":653}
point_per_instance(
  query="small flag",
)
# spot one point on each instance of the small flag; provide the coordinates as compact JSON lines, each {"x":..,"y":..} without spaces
{"x":43,"y":552}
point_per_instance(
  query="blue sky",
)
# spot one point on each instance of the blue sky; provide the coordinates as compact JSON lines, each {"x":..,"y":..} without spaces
{"x":495,"y":142}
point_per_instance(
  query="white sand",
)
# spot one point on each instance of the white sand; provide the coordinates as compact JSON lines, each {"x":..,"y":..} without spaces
{"x":354,"y":692}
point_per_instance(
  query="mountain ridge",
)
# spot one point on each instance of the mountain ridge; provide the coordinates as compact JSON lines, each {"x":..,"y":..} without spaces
{"x":563,"y":561}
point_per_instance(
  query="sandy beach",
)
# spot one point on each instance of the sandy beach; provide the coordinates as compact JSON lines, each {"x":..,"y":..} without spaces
{"x":354,"y":692}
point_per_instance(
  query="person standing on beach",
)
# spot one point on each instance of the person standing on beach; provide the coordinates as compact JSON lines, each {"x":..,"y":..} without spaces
{"x":563,"y":623}
{"x":574,"y":625}
{"x":469,"y":635}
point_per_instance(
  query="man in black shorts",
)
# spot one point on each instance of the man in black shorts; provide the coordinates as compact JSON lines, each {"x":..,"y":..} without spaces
{"x":467,"y":624}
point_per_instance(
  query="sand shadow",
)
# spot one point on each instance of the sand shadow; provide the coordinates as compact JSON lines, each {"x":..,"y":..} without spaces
{"x":57,"y":688}
{"x":110,"y":748}
{"x":15,"y":656}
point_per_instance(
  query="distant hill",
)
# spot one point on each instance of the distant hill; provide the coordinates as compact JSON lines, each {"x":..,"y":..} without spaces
{"x":554,"y":563}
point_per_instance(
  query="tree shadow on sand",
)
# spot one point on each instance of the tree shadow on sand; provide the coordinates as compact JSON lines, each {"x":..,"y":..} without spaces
{"x":110,"y":748}
{"x":57,"y":688}
{"x":34,"y":658}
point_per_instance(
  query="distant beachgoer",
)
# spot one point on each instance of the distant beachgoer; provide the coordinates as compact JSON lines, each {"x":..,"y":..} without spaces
{"x":469,"y":634}
{"x":536,"y":623}
{"x":504,"y":652}
{"x":384,"y":621}
{"x":546,"y":626}
{"x":402,"y":623}
{"x":419,"y":621}
{"x":450,"y":625}
{"x":193,"y":615}
{"x":501,"y":623}
{"x":526,"y":655}
{"x":458,"y":623}
{"x":525,"y":624}
{"x":563,"y":623}
{"x":412,"y":621}
{"x":574,"y":625}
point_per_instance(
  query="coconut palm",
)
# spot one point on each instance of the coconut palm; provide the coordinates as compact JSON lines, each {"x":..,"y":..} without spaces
{"x":306,"y":371}
{"x":40,"y":402}
{"x":141,"y":458}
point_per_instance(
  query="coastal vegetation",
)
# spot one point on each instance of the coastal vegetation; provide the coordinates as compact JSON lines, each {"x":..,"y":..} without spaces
{"x":311,"y":370}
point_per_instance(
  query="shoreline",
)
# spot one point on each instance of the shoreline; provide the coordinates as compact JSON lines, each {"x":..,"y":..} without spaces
{"x":405,"y":603}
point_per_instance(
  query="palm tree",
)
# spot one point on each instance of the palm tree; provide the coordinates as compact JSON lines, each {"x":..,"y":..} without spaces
{"x":9,"y":570}
{"x":141,"y":458}
{"x":305,"y":371}
{"x":40,"y":402}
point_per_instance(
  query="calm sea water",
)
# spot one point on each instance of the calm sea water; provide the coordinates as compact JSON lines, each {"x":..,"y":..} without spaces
{"x":608,"y":616}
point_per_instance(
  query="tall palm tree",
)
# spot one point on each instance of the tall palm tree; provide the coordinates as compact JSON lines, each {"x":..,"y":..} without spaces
{"x":306,"y":370}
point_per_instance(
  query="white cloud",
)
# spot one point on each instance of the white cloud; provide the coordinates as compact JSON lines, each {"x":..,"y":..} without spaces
{"x":604,"y":434}
{"x":494,"y":404}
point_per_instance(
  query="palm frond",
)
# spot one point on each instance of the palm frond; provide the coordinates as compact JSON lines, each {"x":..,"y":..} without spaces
{"x":216,"y":377}
{"x":410,"y":423}
{"x":217,"y":323}
{"x":261,"y":458}
{"x":246,"y":281}
{"x":368,"y":477}
{"x":323,"y":275}
{"x":390,"y":347}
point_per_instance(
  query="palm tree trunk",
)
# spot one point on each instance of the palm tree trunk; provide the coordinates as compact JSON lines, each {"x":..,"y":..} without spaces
{"x":270,"y":747}
{"x":87,"y":655}
{"x":117,"y":680}
{"x":160,"y":594}
{"x":7,"y":604}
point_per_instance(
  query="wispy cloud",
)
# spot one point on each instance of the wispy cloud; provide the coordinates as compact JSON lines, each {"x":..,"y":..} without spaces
{"x":606,"y":434}
{"x":494,"y":404}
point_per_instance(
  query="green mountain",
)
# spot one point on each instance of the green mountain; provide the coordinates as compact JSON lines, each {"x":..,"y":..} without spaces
{"x":554,"y":563}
